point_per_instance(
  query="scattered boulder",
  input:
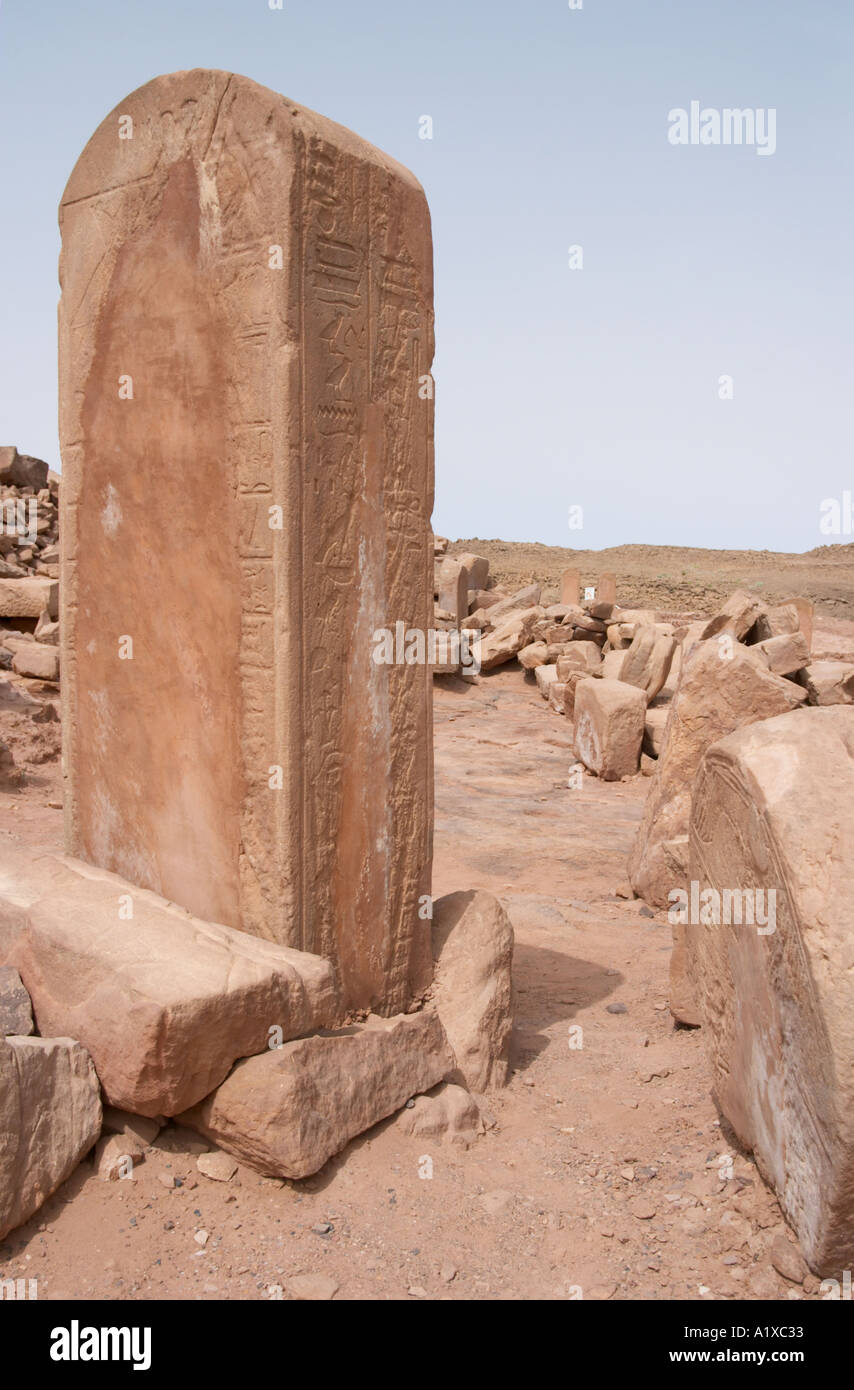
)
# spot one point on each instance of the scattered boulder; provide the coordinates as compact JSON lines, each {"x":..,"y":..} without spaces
{"x":164,"y":1002}
{"x":37,"y":660}
{"x":609,"y":727}
{"x":772,"y":815}
{"x":287,"y":1112}
{"x":50,"y":1117}
{"x":828,"y":682}
{"x":473,"y":985}
{"x":737,"y":616}
{"x":534,"y":655}
{"x":780,"y":621}
{"x":506,"y":639}
{"x":545,"y":675}
{"x":646,"y":663}
{"x":477,"y":569}
{"x":117,"y":1155}
{"x":579,"y":656}
{"x":27,"y":598}
{"x":786,"y":653}
{"x":723,"y":687}
{"x":22,"y":470}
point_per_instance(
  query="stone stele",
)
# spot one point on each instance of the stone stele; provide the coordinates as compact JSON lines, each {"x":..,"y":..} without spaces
{"x":246,"y":415}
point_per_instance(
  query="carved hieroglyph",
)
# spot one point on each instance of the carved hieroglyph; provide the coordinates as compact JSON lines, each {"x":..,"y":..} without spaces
{"x":246,"y":336}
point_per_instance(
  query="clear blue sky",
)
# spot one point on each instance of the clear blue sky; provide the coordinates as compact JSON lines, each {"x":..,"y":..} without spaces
{"x":555,"y":388}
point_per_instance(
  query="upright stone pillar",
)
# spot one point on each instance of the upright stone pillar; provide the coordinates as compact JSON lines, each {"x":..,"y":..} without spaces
{"x":570,"y":587}
{"x":606,"y":589}
{"x":246,"y":335}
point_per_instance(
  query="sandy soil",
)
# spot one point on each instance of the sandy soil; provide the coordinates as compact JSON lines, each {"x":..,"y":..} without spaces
{"x":605,"y":1166}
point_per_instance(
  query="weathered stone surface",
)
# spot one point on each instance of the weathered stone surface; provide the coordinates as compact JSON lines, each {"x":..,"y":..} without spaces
{"x":163,"y":1002}
{"x":785,"y":654}
{"x":521,"y":600}
{"x":50,"y":1116}
{"x":683,"y":999}
{"x":473,"y":985}
{"x":737,"y":616}
{"x":609,"y":725}
{"x":117,"y":1155}
{"x":557,"y":696}
{"x":16,"y":1011}
{"x":26,"y":598}
{"x":142,"y":1128}
{"x":772,"y":813}
{"x":289,"y":1111}
{"x":716,"y":695}
{"x":280,"y":269}
{"x":646,"y":663}
{"x":448,"y":1113}
{"x":36,"y":660}
{"x":509,"y":636}
{"x":612,"y":665}
{"x":828,"y":682}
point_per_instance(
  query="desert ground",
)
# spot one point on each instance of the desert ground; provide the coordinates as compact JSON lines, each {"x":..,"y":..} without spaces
{"x":604,"y":1170}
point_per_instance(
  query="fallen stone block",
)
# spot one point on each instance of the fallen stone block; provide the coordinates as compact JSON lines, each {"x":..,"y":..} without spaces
{"x":612,"y":665}
{"x":533,"y":655}
{"x":557,"y":697}
{"x":609,"y":727}
{"x":828,"y":682}
{"x":723,"y":687}
{"x":506,"y":639}
{"x":26,"y":598}
{"x":545,"y":675}
{"x":50,"y":1116}
{"x":579,"y":656}
{"x":37,"y":660}
{"x":476,"y":567}
{"x":737,"y":616}
{"x":164,"y":1002}
{"x":526,"y":598}
{"x":778,"y":621}
{"x":805,"y":610}
{"x":654,"y":726}
{"x":16,"y":1010}
{"x":454,"y":589}
{"x":785,"y":654}
{"x":774,"y":976}
{"x":646,"y":663}
{"x":448,"y":1113}
{"x":117,"y":1155}
{"x":287,"y":1112}
{"x":473,"y":985}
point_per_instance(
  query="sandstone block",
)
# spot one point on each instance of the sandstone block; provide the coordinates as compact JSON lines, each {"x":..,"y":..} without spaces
{"x":612,"y":665}
{"x":609,"y":725}
{"x":654,"y":726}
{"x":716,"y":695}
{"x":454,"y":589}
{"x":772,"y":814}
{"x":606,"y":589}
{"x":473,"y":985}
{"x":477,"y":568}
{"x":26,"y":598}
{"x":579,"y":656}
{"x":785,"y":654}
{"x":805,"y":610}
{"x":287,"y":1112}
{"x":506,"y":639}
{"x":777,"y":621}
{"x":545,"y":675}
{"x":448,"y":1113}
{"x":646,"y":663}
{"x":280,"y":269}
{"x":50,"y":1116}
{"x":737,"y":616}
{"x":828,"y":682}
{"x":557,"y":697}
{"x":37,"y":660}
{"x":163,"y":1002}
{"x":535,"y":654}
